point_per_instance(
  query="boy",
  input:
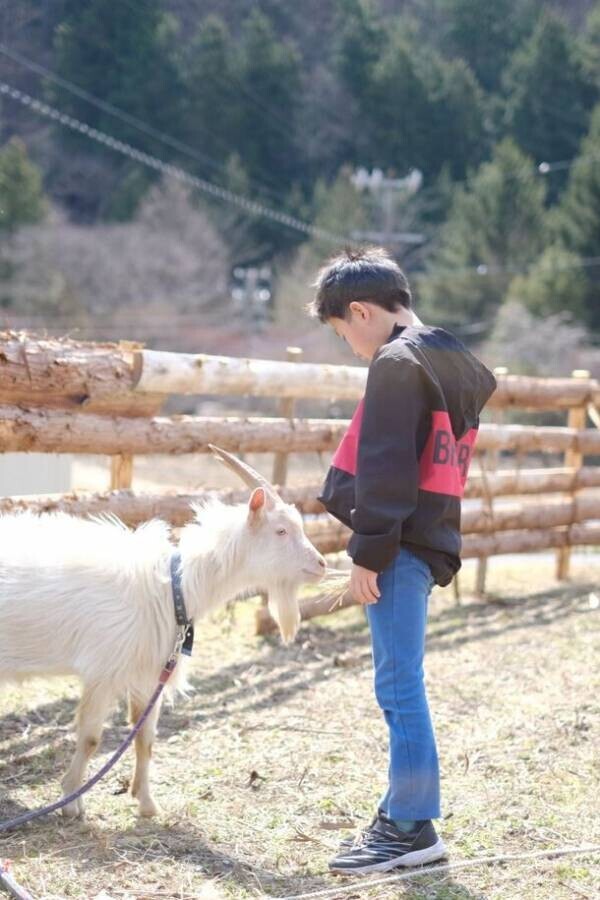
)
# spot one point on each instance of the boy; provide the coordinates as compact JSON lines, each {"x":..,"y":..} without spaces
{"x":396,"y":480}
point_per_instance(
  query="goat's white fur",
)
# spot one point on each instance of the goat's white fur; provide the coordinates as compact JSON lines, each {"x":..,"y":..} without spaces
{"x":92,"y":597}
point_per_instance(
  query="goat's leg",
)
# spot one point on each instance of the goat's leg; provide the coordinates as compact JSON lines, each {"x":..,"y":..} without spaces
{"x":91,"y":713}
{"x":144,"y":739}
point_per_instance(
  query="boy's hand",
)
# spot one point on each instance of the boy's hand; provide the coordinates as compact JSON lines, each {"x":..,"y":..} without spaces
{"x":363,"y":585}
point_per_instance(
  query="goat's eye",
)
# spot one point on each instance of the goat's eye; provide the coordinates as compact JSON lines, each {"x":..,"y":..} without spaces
{"x":282,"y":531}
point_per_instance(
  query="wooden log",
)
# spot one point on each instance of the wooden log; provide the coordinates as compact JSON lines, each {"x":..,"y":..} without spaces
{"x":309,"y":609}
{"x":180,"y":373}
{"x":532,"y":481}
{"x":200,"y":373}
{"x":474,"y":547}
{"x":174,"y":506}
{"x":134,"y":508}
{"x":579,"y":534}
{"x":549,"y":512}
{"x":528,"y":392}
{"x":538,"y":439}
{"x":70,"y":374}
{"x":330,"y":536}
{"x":128,"y":379}
{"x":54,"y":431}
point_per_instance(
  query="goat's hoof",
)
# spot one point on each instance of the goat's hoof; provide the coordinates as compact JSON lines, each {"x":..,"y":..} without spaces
{"x":73,"y":810}
{"x":148,"y":808}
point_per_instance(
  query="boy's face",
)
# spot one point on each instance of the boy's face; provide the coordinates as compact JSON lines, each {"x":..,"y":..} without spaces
{"x":365,"y":329}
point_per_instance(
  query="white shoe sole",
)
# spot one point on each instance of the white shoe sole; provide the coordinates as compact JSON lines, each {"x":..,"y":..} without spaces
{"x":415,"y":858}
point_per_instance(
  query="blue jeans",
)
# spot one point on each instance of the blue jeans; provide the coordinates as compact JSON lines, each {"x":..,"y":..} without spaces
{"x":397,"y":623}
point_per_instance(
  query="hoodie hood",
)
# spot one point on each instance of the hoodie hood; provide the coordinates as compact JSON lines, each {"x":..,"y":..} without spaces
{"x":467,"y":384}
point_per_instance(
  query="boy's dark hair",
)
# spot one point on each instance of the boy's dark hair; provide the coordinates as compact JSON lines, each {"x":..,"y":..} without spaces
{"x":365,"y":273}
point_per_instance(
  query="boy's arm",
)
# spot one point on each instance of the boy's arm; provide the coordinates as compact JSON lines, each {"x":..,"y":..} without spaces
{"x":387,"y":475}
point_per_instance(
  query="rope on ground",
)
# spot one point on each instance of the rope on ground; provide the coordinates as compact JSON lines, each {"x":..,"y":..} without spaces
{"x":8,"y":883}
{"x":448,"y":867}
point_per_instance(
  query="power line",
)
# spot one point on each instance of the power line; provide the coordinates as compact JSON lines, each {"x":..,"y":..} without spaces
{"x":112,"y":110}
{"x":252,"y":207}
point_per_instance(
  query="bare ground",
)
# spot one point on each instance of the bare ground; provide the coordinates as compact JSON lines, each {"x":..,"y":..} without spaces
{"x":279,"y":752}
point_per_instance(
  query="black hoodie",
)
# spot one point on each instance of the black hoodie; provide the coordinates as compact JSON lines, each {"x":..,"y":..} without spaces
{"x":398,"y":474}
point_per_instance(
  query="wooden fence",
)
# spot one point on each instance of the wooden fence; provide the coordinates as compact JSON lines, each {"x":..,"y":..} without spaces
{"x":67,"y":396}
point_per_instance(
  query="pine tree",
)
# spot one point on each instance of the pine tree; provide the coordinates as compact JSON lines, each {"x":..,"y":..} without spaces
{"x":486,"y":34}
{"x":577,"y":219}
{"x":555,"y":283}
{"x":496,"y":225}
{"x":460,"y":130}
{"x":21,"y":196}
{"x":267,"y":85}
{"x":211,"y":102}
{"x":119,"y":52}
{"x":549,"y":94}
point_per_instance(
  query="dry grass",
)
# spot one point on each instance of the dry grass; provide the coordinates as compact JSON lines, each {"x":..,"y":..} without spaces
{"x":281,"y":751}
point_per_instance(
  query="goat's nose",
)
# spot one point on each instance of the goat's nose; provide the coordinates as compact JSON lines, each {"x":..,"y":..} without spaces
{"x":322,"y":563}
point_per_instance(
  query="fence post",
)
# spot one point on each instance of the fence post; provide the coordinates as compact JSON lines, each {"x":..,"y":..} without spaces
{"x":286,"y":409}
{"x":121,"y":471}
{"x":573,"y":460}
{"x":286,"y":406}
{"x":494,"y":455}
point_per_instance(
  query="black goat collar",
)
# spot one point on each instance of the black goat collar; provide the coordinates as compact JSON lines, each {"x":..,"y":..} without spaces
{"x":181,"y":616}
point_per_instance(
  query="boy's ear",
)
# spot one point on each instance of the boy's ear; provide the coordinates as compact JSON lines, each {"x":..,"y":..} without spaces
{"x":359,"y":309}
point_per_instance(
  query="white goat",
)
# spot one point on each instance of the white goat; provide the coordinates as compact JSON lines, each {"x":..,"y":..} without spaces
{"x":93,"y":598}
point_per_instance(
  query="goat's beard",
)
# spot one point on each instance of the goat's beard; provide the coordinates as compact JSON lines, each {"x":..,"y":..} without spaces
{"x":284,"y":607}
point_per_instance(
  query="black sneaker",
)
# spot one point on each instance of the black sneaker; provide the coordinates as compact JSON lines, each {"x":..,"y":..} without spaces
{"x":382,"y":846}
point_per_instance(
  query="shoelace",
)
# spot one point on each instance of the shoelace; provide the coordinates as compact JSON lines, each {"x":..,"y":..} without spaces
{"x":369,"y":836}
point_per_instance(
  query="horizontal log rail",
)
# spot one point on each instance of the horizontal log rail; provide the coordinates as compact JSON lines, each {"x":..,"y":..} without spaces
{"x":327,"y":534}
{"x":474,"y":546}
{"x":182,"y":373}
{"x":127,"y":379}
{"x":531,"y":541}
{"x":55,"y":431}
{"x":331,"y":536}
{"x":134,"y":507}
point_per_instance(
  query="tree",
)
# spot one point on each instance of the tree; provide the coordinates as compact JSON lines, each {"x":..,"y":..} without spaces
{"x":22,"y":199}
{"x":460,"y":129}
{"x":360,"y":43}
{"x":591,"y":45}
{"x":268,"y":87}
{"x":496,"y":225}
{"x":555,"y":283}
{"x":548,"y":92}
{"x":577,"y":219}
{"x":413,"y":107}
{"x":486,"y":34}
{"x":211,"y":102}
{"x":120,"y":52}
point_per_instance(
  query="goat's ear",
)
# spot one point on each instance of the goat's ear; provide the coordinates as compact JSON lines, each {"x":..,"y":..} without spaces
{"x":257,"y":502}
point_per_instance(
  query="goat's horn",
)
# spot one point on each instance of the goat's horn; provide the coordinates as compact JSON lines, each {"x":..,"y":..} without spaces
{"x":246,"y":472}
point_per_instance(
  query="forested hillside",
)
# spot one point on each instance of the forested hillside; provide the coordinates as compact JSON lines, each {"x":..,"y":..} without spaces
{"x":483,"y":119}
